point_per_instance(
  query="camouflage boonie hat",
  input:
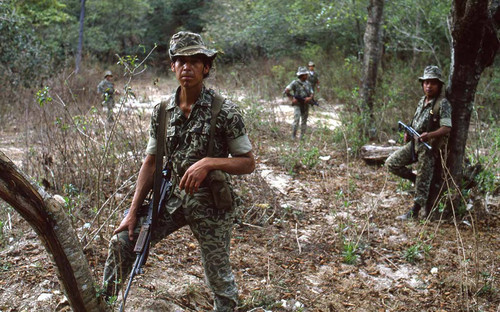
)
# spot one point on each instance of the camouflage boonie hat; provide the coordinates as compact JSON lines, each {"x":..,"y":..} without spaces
{"x":432,"y":72}
{"x":311,"y":63}
{"x":302,"y":71}
{"x":185,"y":43}
{"x":108,"y":73}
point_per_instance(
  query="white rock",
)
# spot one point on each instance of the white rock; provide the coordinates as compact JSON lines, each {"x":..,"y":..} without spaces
{"x":59,"y":199}
{"x":44,"y":297}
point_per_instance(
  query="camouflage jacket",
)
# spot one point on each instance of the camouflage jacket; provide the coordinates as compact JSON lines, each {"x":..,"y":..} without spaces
{"x":300,"y":88}
{"x":313,"y":79}
{"x":422,"y":118}
{"x":187,"y":139}
{"x":106,"y":88}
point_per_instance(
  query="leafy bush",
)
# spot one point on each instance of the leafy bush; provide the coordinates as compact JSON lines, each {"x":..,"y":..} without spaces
{"x":349,"y":254}
{"x":413,"y":253}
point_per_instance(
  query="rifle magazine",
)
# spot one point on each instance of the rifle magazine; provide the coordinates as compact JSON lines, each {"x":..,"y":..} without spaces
{"x":142,"y":239}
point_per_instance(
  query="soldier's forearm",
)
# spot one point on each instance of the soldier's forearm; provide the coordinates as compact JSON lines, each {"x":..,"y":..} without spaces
{"x":442,"y":131}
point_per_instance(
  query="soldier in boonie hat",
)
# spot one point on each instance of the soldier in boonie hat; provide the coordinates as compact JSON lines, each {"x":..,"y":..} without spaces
{"x":195,"y":161}
{"x":432,"y":72}
{"x":313,"y":77}
{"x":107,"y":90}
{"x":432,"y":120}
{"x":300,"y":94}
{"x":302,"y":71}
{"x":185,"y":43}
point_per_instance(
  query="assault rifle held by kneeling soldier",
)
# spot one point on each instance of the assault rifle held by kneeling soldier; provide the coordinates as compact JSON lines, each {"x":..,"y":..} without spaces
{"x":143,"y":241}
{"x":415,"y":136}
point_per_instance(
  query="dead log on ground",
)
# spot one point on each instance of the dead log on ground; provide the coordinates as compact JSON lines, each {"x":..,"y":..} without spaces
{"x":373,"y":154}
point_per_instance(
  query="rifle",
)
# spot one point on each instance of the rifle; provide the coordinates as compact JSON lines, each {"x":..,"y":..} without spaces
{"x":416,"y":137}
{"x":143,"y":241}
{"x":302,"y":100}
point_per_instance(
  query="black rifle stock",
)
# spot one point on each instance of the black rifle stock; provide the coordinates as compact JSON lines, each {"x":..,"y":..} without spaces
{"x":143,"y":241}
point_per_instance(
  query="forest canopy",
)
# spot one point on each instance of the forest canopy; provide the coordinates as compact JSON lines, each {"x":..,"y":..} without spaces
{"x":241,"y":29}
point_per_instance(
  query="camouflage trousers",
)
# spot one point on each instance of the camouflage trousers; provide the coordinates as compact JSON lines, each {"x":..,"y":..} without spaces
{"x":399,"y":161}
{"x":213,"y":233}
{"x":300,"y":115}
{"x":109,"y":103}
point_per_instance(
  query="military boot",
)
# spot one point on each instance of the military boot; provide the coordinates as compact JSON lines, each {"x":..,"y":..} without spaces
{"x":410,"y":215}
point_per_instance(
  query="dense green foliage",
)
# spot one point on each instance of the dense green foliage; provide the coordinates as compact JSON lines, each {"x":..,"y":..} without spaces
{"x":241,"y":29}
{"x":39,"y":40}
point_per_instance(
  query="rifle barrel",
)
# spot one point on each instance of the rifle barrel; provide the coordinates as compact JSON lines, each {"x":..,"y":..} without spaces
{"x":414,"y":133}
{"x":142,"y":245}
{"x":132,"y":274}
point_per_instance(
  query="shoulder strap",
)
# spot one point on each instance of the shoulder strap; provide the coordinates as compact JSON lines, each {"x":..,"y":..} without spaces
{"x":216,"y":107}
{"x":160,"y":152}
{"x":437,"y":106}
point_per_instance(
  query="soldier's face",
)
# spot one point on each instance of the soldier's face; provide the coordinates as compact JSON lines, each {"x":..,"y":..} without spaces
{"x":303,"y":77}
{"x":311,"y":68}
{"x":431,"y":87}
{"x":189,"y":70}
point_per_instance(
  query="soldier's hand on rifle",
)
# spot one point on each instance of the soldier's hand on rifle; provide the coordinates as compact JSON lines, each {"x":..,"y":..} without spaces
{"x":128,"y":224}
{"x":424,"y":137}
{"x":407,"y":138}
{"x":308,"y":99}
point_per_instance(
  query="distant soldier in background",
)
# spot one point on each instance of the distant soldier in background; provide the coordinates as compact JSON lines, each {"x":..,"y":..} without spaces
{"x":107,"y":89}
{"x":313,"y":76}
{"x":301,"y":98}
{"x":432,"y":120}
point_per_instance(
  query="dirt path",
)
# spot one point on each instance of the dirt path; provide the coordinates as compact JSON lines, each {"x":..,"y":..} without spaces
{"x":294,"y":255}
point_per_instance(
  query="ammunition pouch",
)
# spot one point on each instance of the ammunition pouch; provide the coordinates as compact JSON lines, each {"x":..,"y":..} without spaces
{"x":221,"y":192}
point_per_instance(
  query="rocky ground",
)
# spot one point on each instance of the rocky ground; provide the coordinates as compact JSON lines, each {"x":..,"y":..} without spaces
{"x":323,"y":239}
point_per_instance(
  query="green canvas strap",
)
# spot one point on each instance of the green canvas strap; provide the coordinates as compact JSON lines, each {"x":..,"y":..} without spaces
{"x":216,"y":107}
{"x":160,"y":153}
{"x":437,"y":105}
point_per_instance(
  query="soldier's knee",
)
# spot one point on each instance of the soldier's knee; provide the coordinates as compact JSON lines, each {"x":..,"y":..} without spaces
{"x":389,"y":164}
{"x":119,"y":241}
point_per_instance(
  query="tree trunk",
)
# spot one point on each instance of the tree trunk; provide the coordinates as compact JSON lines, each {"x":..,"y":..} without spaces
{"x":80,"y":38}
{"x":474,"y":27}
{"x":50,"y":222}
{"x":371,"y":59}
{"x":474,"y":46}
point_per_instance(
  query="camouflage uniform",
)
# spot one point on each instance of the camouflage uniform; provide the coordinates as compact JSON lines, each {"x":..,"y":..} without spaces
{"x":313,"y":79}
{"x":423,"y":121}
{"x":107,"y":89}
{"x":302,"y":89}
{"x":187,"y":142}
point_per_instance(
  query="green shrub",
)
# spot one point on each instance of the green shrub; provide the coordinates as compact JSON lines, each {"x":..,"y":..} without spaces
{"x":349,"y":254}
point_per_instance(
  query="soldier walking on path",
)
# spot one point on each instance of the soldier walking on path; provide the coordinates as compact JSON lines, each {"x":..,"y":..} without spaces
{"x":107,"y":89}
{"x":301,"y":94}
{"x":432,"y":120}
{"x":192,"y":201}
